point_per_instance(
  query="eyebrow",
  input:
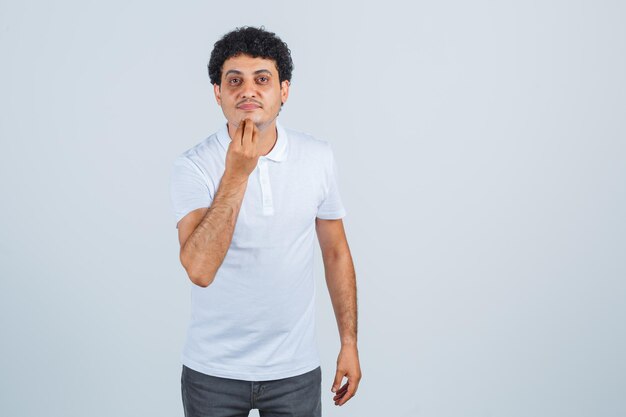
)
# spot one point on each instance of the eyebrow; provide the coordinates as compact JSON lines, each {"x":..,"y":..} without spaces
{"x":233,"y":71}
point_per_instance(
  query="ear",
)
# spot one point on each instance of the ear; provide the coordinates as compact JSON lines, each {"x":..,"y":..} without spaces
{"x":218,"y":94}
{"x":284,"y":91}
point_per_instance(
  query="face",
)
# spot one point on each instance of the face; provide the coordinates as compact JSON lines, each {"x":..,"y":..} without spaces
{"x":250,"y":88}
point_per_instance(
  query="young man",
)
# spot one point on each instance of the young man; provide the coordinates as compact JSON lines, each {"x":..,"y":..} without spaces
{"x":248,"y":202}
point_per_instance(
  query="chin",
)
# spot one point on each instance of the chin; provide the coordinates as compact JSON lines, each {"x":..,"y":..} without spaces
{"x":258,"y":120}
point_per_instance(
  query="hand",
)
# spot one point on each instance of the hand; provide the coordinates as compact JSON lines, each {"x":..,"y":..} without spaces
{"x":243,"y":154}
{"x":347,"y":365}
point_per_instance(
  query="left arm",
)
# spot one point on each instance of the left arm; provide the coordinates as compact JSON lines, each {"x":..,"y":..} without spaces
{"x":341,"y":282}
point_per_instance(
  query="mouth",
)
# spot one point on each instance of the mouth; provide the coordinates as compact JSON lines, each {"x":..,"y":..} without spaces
{"x":249,"y":106}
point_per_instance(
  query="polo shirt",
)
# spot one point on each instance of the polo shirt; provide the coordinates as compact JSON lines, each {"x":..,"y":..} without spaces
{"x":256,"y":320}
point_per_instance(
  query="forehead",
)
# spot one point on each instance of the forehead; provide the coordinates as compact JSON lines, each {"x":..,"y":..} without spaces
{"x":247,"y":64}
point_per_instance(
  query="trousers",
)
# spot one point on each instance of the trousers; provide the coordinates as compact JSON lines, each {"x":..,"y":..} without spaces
{"x":211,"y":396}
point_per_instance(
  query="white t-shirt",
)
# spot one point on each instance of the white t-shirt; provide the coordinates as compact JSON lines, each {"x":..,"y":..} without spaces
{"x":256,"y":321}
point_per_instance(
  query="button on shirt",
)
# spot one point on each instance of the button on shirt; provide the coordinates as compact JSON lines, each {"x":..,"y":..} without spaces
{"x":256,"y":321}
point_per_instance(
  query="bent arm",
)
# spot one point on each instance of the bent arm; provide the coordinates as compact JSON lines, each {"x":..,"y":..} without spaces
{"x":205,"y":240}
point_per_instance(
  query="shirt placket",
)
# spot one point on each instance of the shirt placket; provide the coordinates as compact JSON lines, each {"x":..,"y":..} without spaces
{"x":266,"y":188}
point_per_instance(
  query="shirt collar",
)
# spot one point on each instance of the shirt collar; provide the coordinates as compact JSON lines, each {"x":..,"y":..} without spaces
{"x":279,"y":151}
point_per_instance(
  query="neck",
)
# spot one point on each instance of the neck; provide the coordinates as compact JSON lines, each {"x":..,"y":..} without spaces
{"x":268,"y":135}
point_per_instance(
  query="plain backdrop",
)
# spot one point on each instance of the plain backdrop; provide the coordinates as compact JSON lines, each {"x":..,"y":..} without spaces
{"x":481,"y":159}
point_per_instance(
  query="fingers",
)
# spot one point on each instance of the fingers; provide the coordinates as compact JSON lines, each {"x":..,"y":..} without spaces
{"x":246,"y":140}
{"x":238,"y":134}
{"x":337,"y":382}
{"x":340,"y":392}
{"x":345,"y":393}
{"x":255,"y":136}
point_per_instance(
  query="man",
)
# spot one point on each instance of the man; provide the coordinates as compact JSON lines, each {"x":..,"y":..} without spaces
{"x":248,"y":201}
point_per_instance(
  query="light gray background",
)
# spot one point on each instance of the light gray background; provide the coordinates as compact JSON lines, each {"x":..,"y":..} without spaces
{"x":481,"y":160}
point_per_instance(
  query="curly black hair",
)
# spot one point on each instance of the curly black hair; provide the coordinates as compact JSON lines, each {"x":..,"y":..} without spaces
{"x":256,"y":42}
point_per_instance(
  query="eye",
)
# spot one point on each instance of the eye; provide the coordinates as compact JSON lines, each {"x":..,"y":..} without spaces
{"x":233,"y":81}
{"x":263,"y":79}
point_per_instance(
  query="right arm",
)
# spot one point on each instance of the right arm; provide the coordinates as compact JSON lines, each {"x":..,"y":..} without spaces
{"x":205,"y":234}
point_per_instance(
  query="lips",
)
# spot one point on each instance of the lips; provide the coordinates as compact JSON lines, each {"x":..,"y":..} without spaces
{"x":249,"y":106}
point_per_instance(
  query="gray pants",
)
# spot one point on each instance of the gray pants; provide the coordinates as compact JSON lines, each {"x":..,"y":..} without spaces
{"x":211,"y":396}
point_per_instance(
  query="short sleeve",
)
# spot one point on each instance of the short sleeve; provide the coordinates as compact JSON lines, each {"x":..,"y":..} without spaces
{"x":189,"y":189}
{"x":331,"y":207}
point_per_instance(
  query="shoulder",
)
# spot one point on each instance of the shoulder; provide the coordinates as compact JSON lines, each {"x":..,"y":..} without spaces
{"x":202,"y":156}
{"x":309,"y":144}
{"x":201,"y":150}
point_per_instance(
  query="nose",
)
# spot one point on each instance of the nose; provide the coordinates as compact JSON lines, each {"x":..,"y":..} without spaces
{"x":248,"y":90}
